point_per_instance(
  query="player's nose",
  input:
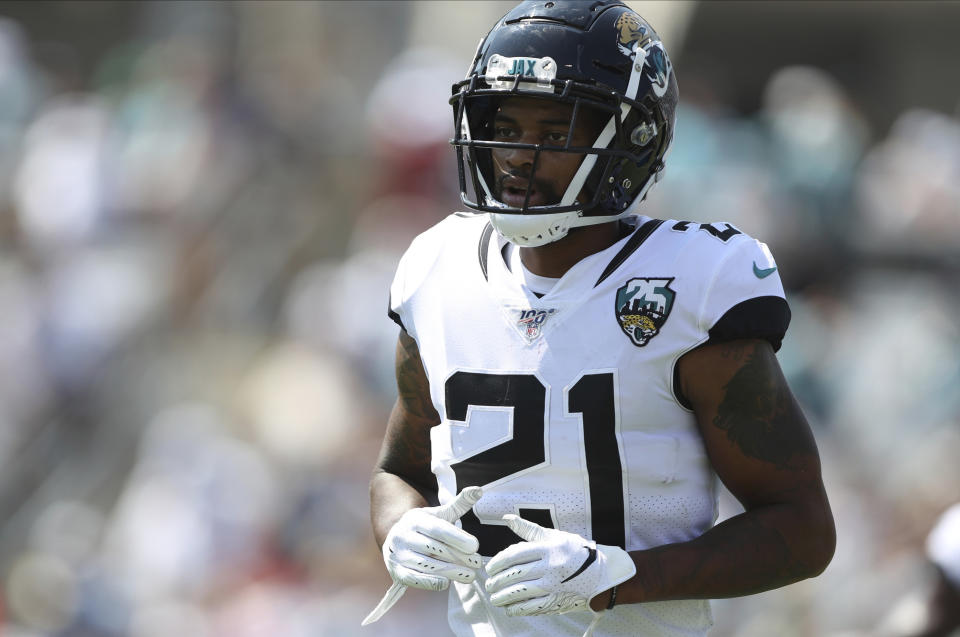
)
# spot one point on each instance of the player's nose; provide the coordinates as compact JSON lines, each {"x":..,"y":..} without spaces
{"x":518,"y":158}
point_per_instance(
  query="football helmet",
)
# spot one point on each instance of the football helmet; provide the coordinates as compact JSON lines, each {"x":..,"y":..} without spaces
{"x":594,"y":57}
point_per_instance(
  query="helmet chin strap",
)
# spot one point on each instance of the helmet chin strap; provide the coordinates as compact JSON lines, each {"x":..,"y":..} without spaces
{"x":631,"y":211}
{"x":592,"y":221}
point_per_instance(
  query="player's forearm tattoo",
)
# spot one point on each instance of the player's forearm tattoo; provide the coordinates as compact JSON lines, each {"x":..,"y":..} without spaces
{"x":756,"y":409}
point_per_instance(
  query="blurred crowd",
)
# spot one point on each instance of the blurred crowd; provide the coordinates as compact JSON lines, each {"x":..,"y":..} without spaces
{"x":198,"y":227}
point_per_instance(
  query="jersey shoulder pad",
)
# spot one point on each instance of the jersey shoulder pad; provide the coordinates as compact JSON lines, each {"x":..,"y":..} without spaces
{"x":452,"y":234}
{"x":744,"y":296}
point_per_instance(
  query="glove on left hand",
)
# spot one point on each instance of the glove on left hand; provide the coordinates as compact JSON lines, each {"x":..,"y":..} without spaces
{"x":553,"y":571}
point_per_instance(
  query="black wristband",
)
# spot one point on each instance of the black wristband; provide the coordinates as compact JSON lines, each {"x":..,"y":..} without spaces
{"x":613,"y":597}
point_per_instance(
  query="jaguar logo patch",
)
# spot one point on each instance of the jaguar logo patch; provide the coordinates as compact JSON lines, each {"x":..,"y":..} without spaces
{"x":642,"y":307}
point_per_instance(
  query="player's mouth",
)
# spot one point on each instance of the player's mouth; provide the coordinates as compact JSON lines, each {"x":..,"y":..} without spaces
{"x":515,"y":197}
{"x":513,"y":192}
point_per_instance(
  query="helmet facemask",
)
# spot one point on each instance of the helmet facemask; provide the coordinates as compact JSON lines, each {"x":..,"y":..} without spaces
{"x":602,"y":154}
{"x":537,"y":188}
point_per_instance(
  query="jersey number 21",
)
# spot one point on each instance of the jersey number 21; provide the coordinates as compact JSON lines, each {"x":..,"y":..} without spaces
{"x":592,"y":396}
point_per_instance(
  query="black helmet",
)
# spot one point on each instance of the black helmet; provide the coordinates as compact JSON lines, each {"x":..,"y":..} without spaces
{"x":592,"y":56}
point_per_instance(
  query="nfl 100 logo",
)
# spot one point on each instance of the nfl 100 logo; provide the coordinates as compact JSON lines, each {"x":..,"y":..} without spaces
{"x":531,"y":322}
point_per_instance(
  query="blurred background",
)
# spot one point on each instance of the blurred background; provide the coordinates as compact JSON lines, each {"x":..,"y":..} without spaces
{"x":201,"y":207}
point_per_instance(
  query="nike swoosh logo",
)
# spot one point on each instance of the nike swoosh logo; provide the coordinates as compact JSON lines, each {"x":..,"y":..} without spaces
{"x":591,"y":558}
{"x":764,"y":273}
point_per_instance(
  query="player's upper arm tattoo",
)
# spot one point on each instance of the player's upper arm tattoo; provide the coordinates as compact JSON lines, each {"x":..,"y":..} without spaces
{"x":758,"y":412}
{"x":413,"y":388}
{"x":406,"y":443}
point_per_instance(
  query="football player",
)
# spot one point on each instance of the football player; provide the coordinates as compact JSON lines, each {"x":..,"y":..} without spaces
{"x":573,"y":376}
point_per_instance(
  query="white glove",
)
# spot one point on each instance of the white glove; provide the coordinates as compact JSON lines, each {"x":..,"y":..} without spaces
{"x":425,"y":550}
{"x":553,"y":571}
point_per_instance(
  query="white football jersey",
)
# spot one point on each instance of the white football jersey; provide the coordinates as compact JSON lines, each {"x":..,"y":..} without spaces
{"x":564,"y":408}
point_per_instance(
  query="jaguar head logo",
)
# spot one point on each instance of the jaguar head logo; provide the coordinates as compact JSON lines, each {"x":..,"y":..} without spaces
{"x":642,"y":307}
{"x":631,"y":30}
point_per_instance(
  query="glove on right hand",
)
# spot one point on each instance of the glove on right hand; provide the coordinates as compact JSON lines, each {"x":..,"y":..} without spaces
{"x":425,"y":550}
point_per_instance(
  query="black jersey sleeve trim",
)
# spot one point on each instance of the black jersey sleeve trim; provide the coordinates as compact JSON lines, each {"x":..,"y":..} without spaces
{"x":765,"y":317}
{"x":484,"y":248}
{"x":394,"y":316}
{"x":639,"y":236}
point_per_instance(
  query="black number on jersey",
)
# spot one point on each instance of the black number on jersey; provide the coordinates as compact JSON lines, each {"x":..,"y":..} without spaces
{"x":527,"y":395}
{"x":723,"y":234}
{"x":592,"y":397}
